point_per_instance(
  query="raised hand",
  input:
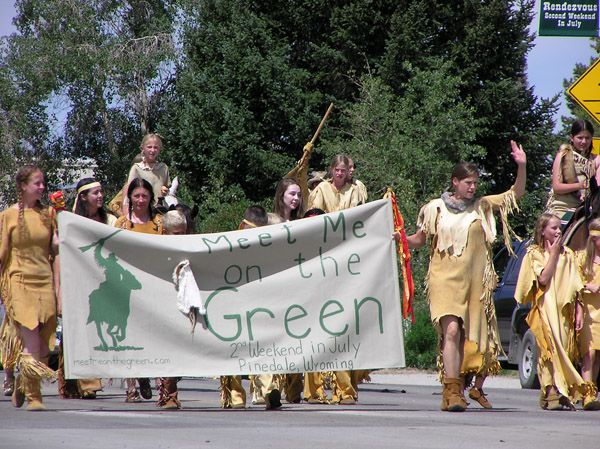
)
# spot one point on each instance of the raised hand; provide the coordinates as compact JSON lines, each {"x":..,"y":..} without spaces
{"x":517,"y":153}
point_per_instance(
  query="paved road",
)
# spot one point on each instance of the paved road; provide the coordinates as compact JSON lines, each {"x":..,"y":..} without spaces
{"x":395,"y":411}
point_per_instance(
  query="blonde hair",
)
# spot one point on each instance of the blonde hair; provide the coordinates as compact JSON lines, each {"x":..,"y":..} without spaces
{"x":337,"y":160}
{"x":540,"y":225}
{"x":590,"y":250}
{"x":173,"y":219}
{"x":149,"y":136}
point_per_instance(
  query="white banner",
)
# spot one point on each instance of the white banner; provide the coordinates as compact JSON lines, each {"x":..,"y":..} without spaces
{"x":315,"y":294}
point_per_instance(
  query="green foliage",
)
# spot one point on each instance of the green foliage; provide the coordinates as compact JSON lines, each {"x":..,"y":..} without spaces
{"x":237,"y":87}
{"x":237,"y":103}
{"x":222,"y":208}
{"x":421,"y":341}
{"x":105,"y":64}
{"x":485,"y":44}
{"x":226,"y":218}
{"x":395,"y":143}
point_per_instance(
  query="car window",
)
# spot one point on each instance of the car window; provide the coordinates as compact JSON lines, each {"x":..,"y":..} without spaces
{"x":501,"y":260}
{"x":520,"y":250}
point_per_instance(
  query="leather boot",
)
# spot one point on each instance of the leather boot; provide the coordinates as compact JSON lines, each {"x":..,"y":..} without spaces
{"x":464,"y":380}
{"x":33,"y":393}
{"x":167,"y":394}
{"x":31,"y":372}
{"x":590,"y":398}
{"x":233,"y":394}
{"x":293,"y":388}
{"x":67,"y":388}
{"x":451,"y":396}
{"x":18,"y":395}
{"x":8,"y":386}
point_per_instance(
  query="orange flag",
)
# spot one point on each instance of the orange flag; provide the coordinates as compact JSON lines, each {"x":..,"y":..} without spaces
{"x":409,"y":287}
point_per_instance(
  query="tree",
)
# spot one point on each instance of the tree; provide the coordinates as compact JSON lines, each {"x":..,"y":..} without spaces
{"x":238,"y":114}
{"x":395,"y":143}
{"x":24,"y":131}
{"x":255,"y":77}
{"x":107,"y":61}
{"x":237,"y":87}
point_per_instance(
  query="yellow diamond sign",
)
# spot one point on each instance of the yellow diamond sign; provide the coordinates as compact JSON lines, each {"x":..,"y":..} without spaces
{"x":586,"y":91}
{"x":596,"y":145}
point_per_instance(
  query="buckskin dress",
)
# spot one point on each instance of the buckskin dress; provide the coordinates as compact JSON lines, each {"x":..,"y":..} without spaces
{"x":26,"y":282}
{"x":461,"y":277}
{"x":552,"y":319}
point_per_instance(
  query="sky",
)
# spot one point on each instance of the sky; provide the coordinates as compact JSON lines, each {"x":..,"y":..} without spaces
{"x":551,"y":60}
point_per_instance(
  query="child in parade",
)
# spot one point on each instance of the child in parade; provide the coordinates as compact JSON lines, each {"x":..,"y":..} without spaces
{"x":361,"y":187}
{"x":264,"y":387}
{"x":573,"y":167}
{"x":190,"y":214}
{"x":461,"y":278}
{"x":549,"y":280}
{"x":288,"y":205}
{"x":141,"y":217}
{"x":589,"y":336}
{"x":150,"y":169}
{"x":29,"y":282}
{"x":333,"y":195}
{"x":174,"y":223}
{"x":89,"y":203}
{"x":146,"y":166}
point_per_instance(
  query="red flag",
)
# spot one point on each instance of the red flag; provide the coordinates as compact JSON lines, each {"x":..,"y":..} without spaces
{"x":404,"y":253}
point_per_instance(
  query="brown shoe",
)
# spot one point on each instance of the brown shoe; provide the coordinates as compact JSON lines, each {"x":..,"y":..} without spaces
{"x":133,"y":396}
{"x":170,"y":403}
{"x":88,"y":395}
{"x":35,"y":406}
{"x":478,"y":395}
{"x":317,"y":401}
{"x":145,"y":388}
{"x":9,"y":386}
{"x":558,"y":402}
{"x":18,"y":395}
{"x":33,"y":393}
{"x":348,"y":401}
{"x":451,"y":396}
{"x":590,"y":398}
{"x":167,"y":393}
{"x":273,"y":399}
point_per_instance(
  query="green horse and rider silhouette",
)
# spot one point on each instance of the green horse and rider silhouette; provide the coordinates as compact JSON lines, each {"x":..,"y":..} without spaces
{"x":110,"y":302}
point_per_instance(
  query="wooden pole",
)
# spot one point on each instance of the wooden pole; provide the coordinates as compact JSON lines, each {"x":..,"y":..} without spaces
{"x":318,"y":131}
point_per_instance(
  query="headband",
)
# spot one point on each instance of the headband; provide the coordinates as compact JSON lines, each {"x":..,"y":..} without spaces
{"x":88,"y":186}
{"x":83,"y":188}
{"x":594,"y":233}
{"x":247,"y":222}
